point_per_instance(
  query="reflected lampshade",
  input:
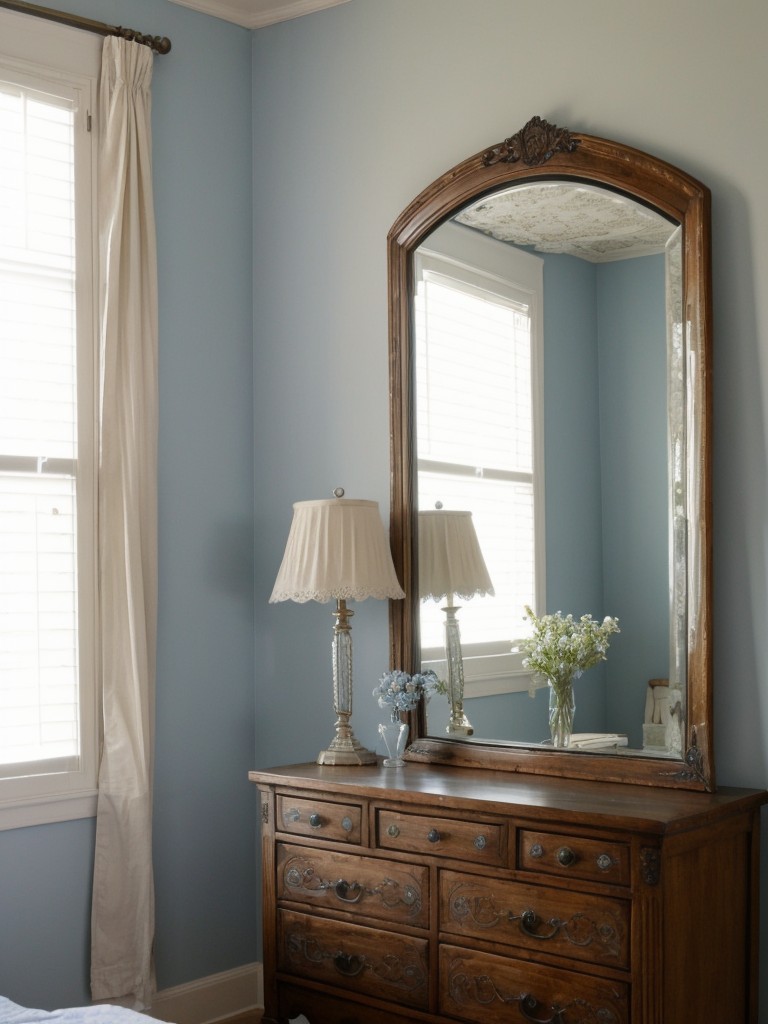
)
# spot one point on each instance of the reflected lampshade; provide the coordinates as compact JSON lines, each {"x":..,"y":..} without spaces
{"x":450,"y":559}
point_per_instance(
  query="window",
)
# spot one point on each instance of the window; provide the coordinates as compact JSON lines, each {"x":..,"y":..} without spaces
{"x":47,"y":445}
{"x":478,"y":396}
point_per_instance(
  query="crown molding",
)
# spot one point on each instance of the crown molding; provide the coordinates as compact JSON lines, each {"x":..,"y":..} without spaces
{"x":257,"y":13}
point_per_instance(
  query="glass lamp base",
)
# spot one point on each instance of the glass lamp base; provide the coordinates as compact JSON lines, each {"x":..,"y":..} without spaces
{"x":351,"y":752}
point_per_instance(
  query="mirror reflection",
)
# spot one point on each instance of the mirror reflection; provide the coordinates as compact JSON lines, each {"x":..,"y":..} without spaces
{"x":549,"y":404}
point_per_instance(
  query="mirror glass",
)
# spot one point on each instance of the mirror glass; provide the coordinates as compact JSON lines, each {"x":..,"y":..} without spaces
{"x":547,"y":329}
{"x":550,"y":379}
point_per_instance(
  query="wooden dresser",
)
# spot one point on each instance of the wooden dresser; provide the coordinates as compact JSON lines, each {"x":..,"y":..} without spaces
{"x":430,"y":893}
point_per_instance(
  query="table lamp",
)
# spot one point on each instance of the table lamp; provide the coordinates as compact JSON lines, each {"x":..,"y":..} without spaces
{"x":451,"y":565}
{"x":337,"y":550}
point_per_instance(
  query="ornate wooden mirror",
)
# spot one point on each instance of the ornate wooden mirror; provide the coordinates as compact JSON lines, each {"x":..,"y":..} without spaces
{"x":596,"y":258}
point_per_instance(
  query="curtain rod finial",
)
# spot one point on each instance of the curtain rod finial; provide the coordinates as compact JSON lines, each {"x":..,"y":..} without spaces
{"x":158,"y":44}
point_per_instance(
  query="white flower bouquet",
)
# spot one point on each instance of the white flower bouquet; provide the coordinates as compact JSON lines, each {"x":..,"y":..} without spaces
{"x":561,"y":647}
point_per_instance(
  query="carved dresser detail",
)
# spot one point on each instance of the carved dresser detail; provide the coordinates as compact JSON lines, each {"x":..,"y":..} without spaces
{"x":438,"y":894}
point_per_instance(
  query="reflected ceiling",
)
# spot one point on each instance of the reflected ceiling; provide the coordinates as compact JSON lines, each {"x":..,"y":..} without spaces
{"x":574,"y":219}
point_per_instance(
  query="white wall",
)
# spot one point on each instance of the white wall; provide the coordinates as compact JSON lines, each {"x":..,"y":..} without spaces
{"x":360,"y":107}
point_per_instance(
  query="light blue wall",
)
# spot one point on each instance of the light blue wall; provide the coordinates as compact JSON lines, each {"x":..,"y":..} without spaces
{"x":204,"y":806}
{"x":359,"y":108}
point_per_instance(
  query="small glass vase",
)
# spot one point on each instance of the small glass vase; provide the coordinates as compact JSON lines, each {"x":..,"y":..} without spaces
{"x":562,"y":707}
{"x":395,"y":736}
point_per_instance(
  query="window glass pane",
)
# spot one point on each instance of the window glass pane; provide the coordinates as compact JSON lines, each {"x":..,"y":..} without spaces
{"x":502,"y":513}
{"x":474,"y":377}
{"x":38,"y":618}
{"x":39,"y":712}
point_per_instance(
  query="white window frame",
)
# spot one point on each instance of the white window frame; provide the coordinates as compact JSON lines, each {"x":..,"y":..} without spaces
{"x":51,"y":57}
{"x":477,"y":261}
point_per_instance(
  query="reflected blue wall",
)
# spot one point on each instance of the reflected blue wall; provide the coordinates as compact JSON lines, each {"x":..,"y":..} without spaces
{"x":633,"y":410}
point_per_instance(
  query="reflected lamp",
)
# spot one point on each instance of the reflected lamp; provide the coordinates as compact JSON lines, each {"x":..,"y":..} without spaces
{"x":451,"y":565}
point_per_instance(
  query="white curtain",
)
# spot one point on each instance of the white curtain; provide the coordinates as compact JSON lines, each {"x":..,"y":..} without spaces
{"x":123,"y":895}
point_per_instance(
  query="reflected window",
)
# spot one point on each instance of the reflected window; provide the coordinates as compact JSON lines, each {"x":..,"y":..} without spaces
{"x":479,"y":401}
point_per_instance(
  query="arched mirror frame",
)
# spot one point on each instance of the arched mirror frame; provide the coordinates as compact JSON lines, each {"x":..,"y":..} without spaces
{"x":542,"y":151}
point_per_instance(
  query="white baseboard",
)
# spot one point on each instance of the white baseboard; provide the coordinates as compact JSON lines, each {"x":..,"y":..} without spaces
{"x":211,"y":999}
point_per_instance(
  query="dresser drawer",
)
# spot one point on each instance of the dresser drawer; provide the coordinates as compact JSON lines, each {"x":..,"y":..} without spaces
{"x":479,"y":842}
{"x":383,"y":889}
{"x":295,"y":1001}
{"x":364,"y":960}
{"x":491,"y":989}
{"x":577,"y":925}
{"x":320,"y":819}
{"x":570,"y":856}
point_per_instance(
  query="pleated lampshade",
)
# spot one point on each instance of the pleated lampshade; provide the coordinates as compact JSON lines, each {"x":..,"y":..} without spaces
{"x":337,"y":548}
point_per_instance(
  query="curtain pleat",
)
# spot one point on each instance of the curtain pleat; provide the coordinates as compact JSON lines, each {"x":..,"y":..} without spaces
{"x":122,"y":920}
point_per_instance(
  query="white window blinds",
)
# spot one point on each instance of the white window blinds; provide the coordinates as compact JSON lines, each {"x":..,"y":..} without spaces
{"x":40,"y":707}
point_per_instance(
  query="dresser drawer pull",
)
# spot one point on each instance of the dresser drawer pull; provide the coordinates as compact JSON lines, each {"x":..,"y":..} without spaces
{"x":349,"y":966}
{"x":605,"y":862}
{"x":537,"y":851}
{"x":315,"y":820}
{"x":480,"y":842}
{"x":566,"y":857}
{"x":528,"y":1004}
{"x":348,"y":892}
{"x":433,"y":836}
{"x":528,"y":922}
{"x":393,"y":831}
{"x":346,"y":823}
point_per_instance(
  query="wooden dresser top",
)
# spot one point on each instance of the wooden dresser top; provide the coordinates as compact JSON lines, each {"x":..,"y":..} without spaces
{"x":642,"y":808}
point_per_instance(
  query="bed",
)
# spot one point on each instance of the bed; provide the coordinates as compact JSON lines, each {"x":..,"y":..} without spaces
{"x":12,"y":1013}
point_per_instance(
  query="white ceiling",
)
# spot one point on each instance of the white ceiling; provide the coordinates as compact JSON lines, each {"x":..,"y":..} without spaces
{"x":257,"y":13}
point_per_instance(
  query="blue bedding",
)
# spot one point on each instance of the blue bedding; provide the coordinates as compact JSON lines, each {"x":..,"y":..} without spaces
{"x":12,"y":1013}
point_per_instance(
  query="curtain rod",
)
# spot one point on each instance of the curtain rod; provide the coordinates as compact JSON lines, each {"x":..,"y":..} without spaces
{"x":159,"y":44}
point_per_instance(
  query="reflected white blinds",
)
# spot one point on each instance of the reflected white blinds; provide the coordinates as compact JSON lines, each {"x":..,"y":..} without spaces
{"x":475,"y":437}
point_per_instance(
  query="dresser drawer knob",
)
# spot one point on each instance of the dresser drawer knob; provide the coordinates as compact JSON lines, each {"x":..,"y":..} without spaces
{"x":433,"y":836}
{"x":346,"y":823}
{"x":349,"y":966}
{"x":348,"y":892}
{"x":529,"y":920}
{"x":566,"y":857}
{"x":537,"y":851}
{"x":528,"y":1004}
{"x":480,"y":842}
{"x":315,"y":820}
{"x":393,"y":831}
{"x":605,"y":861}
{"x":291,"y":814}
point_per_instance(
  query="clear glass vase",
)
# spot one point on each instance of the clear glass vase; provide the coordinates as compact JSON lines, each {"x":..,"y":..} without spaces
{"x":395,"y":736}
{"x":562,"y":707}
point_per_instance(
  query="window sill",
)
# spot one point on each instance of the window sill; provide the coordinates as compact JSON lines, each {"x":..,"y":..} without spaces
{"x":47,"y":810}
